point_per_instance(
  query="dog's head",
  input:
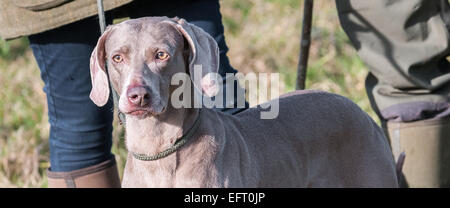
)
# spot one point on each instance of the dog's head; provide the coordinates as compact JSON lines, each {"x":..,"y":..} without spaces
{"x":142,"y":56}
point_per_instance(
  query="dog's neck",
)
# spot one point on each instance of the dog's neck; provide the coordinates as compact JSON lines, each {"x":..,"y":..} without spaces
{"x":154,"y":134}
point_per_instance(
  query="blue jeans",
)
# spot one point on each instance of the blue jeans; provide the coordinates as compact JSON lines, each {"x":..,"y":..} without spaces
{"x":81,"y":132}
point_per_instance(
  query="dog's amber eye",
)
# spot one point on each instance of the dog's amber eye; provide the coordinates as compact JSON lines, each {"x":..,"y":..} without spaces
{"x":117,"y":58}
{"x":162,"y":55}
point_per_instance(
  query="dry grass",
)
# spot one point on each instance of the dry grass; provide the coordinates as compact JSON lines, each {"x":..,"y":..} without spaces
{"x":23,"y":127}
{"x":263,"y":36}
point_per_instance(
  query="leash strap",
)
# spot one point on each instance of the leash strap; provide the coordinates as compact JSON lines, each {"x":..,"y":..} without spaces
{"x":102,"y":22}
{"x":177,"y":145}
{"x":101,"y":15}
{"x":305,"y":43}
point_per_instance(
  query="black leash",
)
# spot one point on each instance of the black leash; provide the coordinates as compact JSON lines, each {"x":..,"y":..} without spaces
{"x":305,"y":42}
{"x":102,"y":22}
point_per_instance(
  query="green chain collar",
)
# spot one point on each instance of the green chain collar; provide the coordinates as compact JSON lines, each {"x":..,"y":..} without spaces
{"x":177,"y":145}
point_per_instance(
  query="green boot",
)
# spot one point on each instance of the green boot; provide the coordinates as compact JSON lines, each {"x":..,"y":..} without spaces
{"x":426,"y":144}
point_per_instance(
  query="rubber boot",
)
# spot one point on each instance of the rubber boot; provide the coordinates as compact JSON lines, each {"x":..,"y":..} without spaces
{"x":426,"y":144}
{"x":103,"y":175}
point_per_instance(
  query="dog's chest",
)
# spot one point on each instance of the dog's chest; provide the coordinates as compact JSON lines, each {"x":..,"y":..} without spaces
{"x":151,"y":174}
{"x":166,"y":174}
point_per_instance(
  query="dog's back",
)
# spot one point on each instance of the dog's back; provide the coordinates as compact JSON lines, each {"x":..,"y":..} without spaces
{"x":318,"y":140}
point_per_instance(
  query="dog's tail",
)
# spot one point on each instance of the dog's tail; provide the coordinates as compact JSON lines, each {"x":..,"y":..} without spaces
{"x":399,"y":168}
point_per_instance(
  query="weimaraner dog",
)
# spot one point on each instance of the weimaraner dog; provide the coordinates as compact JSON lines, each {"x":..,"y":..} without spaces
{"x":319,"y":139}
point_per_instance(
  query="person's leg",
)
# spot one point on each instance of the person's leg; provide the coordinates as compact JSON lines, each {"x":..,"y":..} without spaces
{"x":405,"y":44}
{"x":80,"y":132}
{"x":206,"y":15}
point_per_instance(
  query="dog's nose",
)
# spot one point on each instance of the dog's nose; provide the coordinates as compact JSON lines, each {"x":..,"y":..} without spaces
{"x":138,"y":96}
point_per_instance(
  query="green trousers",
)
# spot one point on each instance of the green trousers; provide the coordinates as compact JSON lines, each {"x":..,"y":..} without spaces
{"x":405,"y":44}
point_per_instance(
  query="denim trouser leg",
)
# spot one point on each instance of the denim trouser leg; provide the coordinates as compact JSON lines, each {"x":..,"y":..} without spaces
{"x":80,"y":132}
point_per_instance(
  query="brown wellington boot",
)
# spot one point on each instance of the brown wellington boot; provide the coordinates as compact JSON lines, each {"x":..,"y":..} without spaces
{"x":103,"y":175}
{"x":426,"y":144}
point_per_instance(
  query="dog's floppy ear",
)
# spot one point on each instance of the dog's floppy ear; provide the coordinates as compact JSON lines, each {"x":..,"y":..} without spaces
{"x":204,"y":55}
{"x":100,"y":84}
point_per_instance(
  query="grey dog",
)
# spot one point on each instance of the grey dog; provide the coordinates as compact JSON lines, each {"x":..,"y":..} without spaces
{"x":318,"y":139}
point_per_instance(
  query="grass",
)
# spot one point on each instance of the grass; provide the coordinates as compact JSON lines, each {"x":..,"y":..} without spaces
{"x":263,"y":36}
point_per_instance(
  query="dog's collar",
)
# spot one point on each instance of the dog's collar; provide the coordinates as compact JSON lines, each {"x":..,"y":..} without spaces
{"x":177,"y":145}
